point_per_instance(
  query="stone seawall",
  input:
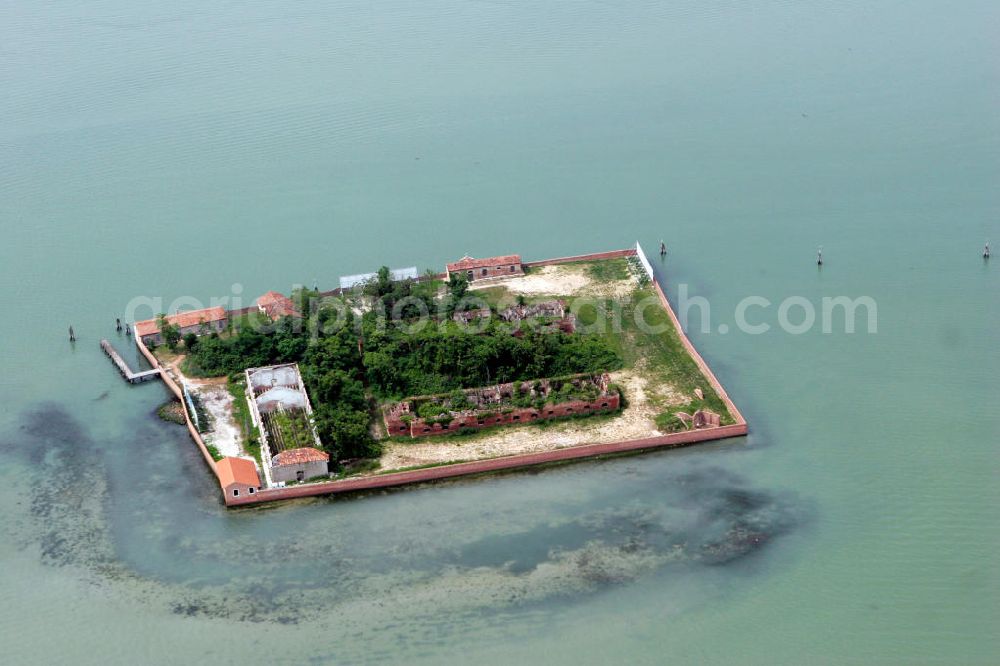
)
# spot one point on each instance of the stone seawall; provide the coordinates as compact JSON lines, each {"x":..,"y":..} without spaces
{"x":491,"y":465}
{"x":176,"y":390}
{"x":699,"y":361}
{"x":612,"y":254}
{"x":391,"y":479}
{"x":670,"y":440}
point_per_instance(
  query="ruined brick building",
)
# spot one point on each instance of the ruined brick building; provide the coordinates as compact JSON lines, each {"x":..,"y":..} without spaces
{"x":482,"y":269}
{"x":510,"y":403}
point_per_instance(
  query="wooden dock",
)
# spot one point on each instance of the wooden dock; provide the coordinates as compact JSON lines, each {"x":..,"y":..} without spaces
{"x":130,"y":377}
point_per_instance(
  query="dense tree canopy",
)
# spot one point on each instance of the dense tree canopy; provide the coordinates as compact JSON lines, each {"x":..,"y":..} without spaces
{"x":446,"y":356}
{"x":393,"y":359}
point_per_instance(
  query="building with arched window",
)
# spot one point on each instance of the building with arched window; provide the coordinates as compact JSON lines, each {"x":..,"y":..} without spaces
{"x":484,"y":269}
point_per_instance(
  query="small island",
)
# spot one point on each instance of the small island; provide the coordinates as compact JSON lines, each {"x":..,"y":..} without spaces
{"x":398,"y":378}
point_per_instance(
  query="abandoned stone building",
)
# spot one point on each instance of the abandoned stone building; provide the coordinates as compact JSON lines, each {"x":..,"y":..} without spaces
{"x":550,"y":316}
{"x":279,"y":407}
{"x":469,"y":316}
{"x":299,"y":464}
{"x":199,"y":322}
{"x":510,"y":403}
{"x":550,"y":309}
{"x":483,"y":269}
{"x":276,"y":306}
{"x":703,"y":418}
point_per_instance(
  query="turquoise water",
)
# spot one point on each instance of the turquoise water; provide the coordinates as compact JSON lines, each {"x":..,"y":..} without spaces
{"x":177,"y":151}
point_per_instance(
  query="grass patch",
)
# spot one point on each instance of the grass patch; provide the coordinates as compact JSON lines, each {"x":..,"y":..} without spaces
{"x":601,"y":270}
{"x":661,"y":356}
{"x":608,"y":270}
{"x":214,"y":452}
{"x":203,"y":420}
{"x":241,"y":413}
{"x":668,"y":421}
{"x":359,"y":467}
{"x":429,"y":288}
{"x":494,"y":296}
{"x":424,"y":466}
{"x":313,"y":479}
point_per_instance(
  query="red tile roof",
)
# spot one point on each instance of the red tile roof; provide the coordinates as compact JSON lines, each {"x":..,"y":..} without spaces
{"x":181,"y":320}
{"x":306,"y":454}
{"x":467,"y":262}
{"x":277,"y":305}
{"x":144,"y":328}
{"x":237,"y":470}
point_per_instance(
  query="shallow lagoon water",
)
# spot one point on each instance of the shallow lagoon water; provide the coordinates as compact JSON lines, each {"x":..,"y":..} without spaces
{"x":177,"y":152}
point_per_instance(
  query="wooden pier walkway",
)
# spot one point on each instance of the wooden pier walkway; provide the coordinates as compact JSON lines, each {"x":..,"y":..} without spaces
{"x":130,"y":377}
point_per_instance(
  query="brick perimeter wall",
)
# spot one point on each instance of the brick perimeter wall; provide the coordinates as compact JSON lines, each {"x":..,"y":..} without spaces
{"x":699,"y":361}
{"x":525,"y":460}
{"x":613,"y":254}
{"x":176,"y":390}
{"x":492,"y":465}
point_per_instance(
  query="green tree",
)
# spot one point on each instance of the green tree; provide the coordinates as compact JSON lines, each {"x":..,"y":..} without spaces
{"x":458,"y":285}
{"x":345,"y":433}
{"x":170,"y":333}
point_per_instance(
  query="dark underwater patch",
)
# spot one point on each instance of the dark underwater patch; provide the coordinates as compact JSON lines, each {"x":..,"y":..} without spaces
{"x":65,"y":486}
{"x":706,"y":515}
{"x":160,"y":535}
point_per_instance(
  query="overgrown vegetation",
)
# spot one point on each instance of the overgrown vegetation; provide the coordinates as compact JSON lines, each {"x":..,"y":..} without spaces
{"x":171,"y":411}
{"x":661,"y":355}
{"x":241,"y":413}
{"x":668,"y":421}
{"x":396,"y":361}
{"x":202,"y":418}
{"x":331,"y":369}
{"x":440,"y":408}
{"x":289,"y":430}
{"x":609,"y":270}
{"x":170,"y":333}
{"x":444,"y":356}
{"x":349,"y":363}
{"x":458,"y":434}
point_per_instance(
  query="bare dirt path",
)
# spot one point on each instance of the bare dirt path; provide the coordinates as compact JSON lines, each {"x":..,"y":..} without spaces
{"x":218,"y":401}
{"x":634,"y":422}
{"x":561,"y":280}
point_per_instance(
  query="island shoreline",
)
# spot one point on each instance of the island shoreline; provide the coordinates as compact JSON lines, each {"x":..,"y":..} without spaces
{"x":486,"y":466}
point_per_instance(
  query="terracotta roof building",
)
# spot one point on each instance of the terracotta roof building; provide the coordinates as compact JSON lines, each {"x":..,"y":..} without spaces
{"x":193,"y":321}
{"x":306,"y":454}
{"x":279,"y":407}
{"x":276,"y":306}
{"x":237,"y":476}
{"x":490,"y":267}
